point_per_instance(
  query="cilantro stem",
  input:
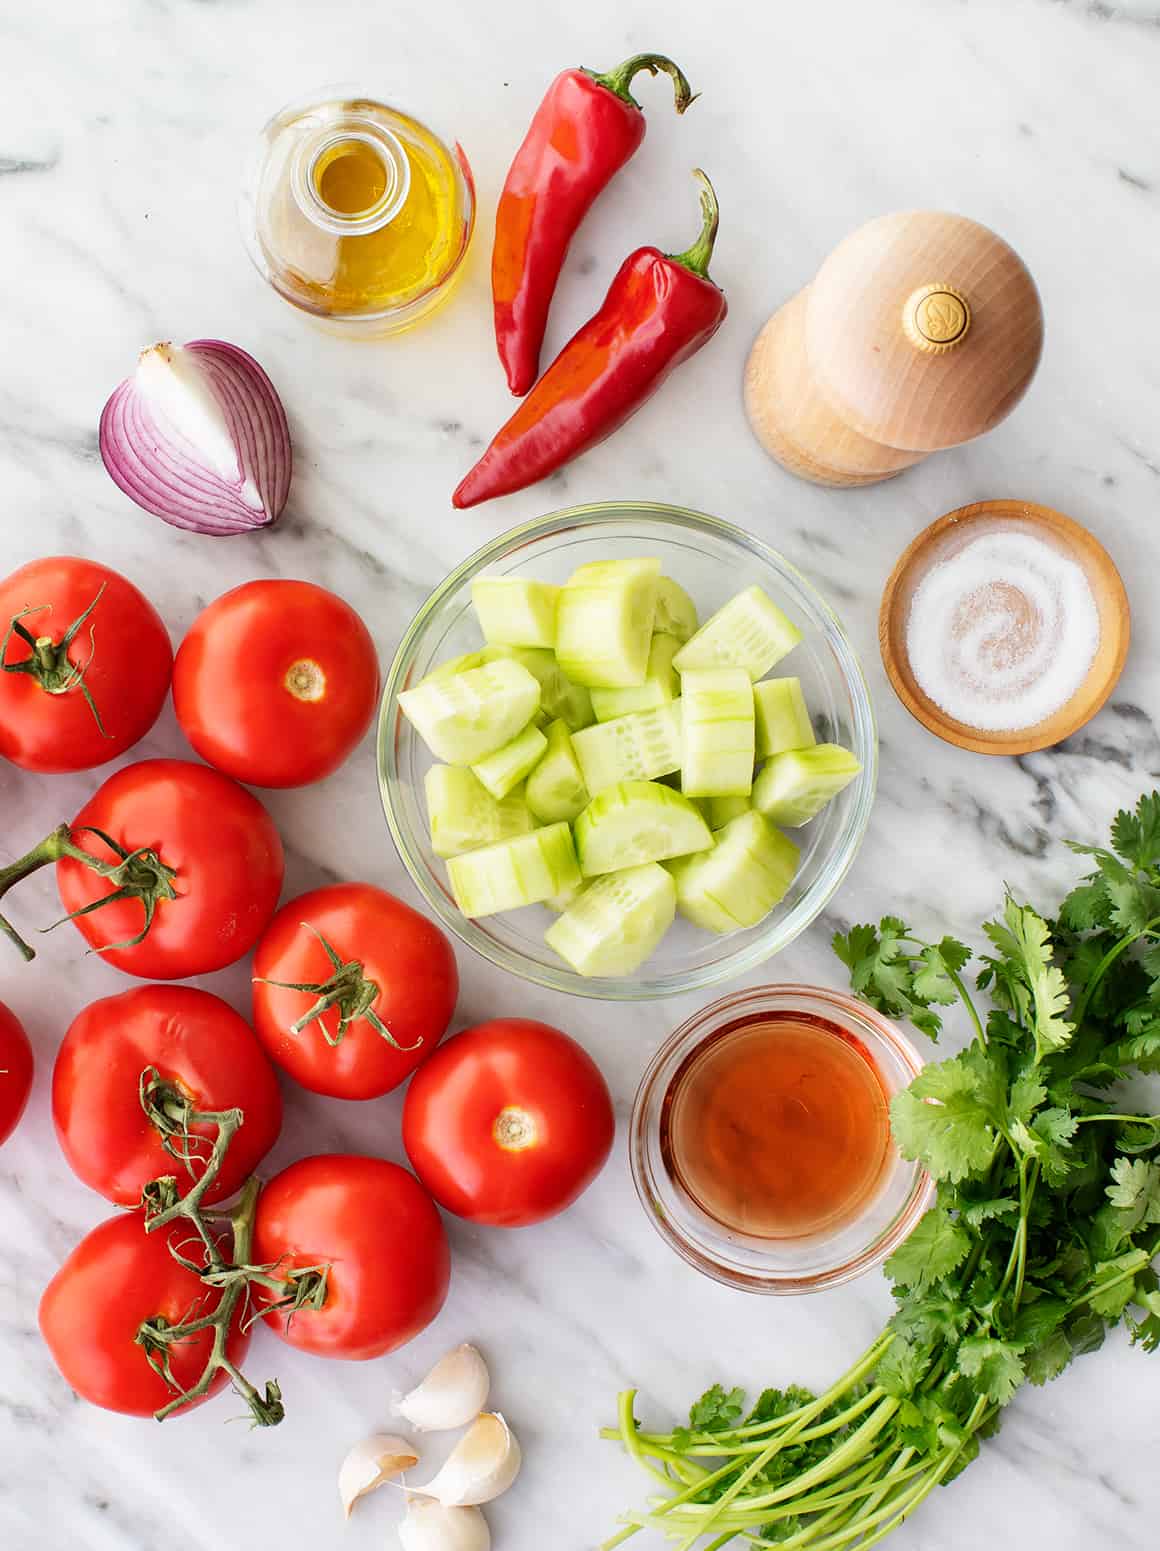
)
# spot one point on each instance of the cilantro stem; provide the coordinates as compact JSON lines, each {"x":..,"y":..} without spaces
{"x":965,"y":996}
{"x":1109,"y":958}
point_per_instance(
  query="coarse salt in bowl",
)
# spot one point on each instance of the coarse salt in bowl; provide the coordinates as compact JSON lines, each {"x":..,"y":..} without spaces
{"x":712,"y":560}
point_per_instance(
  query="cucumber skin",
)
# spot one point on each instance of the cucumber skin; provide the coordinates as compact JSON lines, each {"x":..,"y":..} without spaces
{"x":548,"y":795}
{"x":723,"y":810}
{"x":451,"y":835}
{"x":662,"y":684}
{"x":601,"y":604}
{"x":657,"y":754}
{"x":782,"y":717}
{"x":502,"y":771}
{"x":758,"y":863}
{"x":676,"y":613}
{"x":600,"y":827}
{"x":717,"y":706}
{"x":617,"y":953}
{"x":535,"y":603}
{"x":466,"y":746}
{"x":705,"y":649}
{"x":793,"y":788}
{"x":557,"y":876}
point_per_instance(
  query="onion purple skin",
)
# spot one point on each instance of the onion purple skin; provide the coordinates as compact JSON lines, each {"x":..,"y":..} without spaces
{"x":158,"y":470}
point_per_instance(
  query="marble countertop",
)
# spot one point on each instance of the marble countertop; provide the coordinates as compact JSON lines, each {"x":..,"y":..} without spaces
{"x":123,"y":124}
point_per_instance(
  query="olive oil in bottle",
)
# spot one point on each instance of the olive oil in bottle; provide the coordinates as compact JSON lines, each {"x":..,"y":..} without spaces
{"x":358,"y":213}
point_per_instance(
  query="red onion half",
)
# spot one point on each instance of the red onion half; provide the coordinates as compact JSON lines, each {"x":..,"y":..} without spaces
{"x":198,"y":436}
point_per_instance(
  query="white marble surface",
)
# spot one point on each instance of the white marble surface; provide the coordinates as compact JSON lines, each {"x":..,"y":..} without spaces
{"x":121,"y":130}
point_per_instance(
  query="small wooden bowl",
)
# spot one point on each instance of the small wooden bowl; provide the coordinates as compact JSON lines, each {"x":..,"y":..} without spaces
{"x":1107,"y":588}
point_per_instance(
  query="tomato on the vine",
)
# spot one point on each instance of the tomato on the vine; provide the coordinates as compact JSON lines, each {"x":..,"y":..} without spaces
{"x":508,"y":1122}
{"x":200,"y":1055}
{"x":352,"y":990}
{"x":198,"y":870}
{"x":377,"y":1229}
{"x":16,"y":1069}
{"x":115,"y":1279}
{"x":85,"y":665}
{"x":276,"y":682}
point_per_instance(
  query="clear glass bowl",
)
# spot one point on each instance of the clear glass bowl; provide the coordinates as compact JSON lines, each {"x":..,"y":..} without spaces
{"x":712,"y":560}
{"x":786,"y":1266}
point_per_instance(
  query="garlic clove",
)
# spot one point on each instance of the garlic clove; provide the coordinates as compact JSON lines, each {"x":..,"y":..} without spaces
{"x":429,"y":1526}
{"x":452,"y":1394}
{"x":375,"y":1460}
{"x":484,"y":1463}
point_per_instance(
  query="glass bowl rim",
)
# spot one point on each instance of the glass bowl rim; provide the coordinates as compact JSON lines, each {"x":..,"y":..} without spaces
{"x":698,"y":1027}
{"x":776,"y":937}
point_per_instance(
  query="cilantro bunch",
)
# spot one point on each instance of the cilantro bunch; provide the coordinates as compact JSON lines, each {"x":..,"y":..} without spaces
{"x":1041,"y":1238}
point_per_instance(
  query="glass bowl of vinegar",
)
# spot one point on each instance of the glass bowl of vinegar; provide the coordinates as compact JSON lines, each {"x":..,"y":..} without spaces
{"x":760,"y":1140}
{"x":712,"y":560}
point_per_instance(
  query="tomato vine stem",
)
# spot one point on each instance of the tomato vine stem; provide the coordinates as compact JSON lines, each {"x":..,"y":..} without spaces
{"x":139,"y":874}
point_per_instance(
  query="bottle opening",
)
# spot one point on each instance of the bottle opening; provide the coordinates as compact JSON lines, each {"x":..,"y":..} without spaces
{"x":352,"y":179}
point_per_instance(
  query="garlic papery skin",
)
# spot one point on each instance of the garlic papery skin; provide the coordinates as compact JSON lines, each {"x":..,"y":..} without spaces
{"x":452,"y":1394}
{"x":376,"y":1459}
{"x":484,"y":1463}
{"x":429,"y":1526}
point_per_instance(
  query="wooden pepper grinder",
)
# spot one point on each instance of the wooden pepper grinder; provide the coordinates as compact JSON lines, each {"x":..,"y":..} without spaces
{"x":920,"y":331}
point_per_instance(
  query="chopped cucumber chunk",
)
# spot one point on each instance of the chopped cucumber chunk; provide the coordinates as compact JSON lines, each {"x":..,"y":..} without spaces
{"x":739,"y":881}
{"x":676,"y":612}
{"x":560,"y":902}
{"x":783,"y":718}
{"x":604,"y":622}
{"x":795,"y":786}
{"x":748,"y":632}
{"x":717,"y":717}
{"x":560,"y":699}
{"x":522,"y":871}
{"x":661,"y":684}
{"x":639,"y":747}
{"x":556,"y":787}
{"x":465,"y":663}
{"x":617,"y":922}
{"x":464,"y":816}
{"x":465,"y":718}
{"x":515,"y":612}
{"x":637,"y":822}
{"x":508,"y":766}
{"x":720,"y":810}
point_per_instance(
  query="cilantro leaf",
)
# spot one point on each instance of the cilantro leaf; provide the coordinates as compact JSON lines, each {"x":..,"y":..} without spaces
{"x":1136,"y":836}
{"x":1035,"y":985}
{"x":995,"y":1366}
{"x":717,"y":1410}
{"x":947,"y":1118}
{"x":938,"y":1246}
{"x":1135,"y":1192}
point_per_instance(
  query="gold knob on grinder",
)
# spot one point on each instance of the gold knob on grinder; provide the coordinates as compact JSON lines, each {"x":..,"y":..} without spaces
{"x":936,"y":318}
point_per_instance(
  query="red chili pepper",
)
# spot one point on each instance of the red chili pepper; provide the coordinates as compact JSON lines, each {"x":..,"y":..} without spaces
{"x":584,"y":131}
{"x":660,"y":309}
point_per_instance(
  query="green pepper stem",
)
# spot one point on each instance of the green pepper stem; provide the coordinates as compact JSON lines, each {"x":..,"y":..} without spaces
{"x":697,"y":257}
{"x":619,"y":81}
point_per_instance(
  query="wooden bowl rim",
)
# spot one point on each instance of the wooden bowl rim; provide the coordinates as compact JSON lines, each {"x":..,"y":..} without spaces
{"x":1111,"y":598}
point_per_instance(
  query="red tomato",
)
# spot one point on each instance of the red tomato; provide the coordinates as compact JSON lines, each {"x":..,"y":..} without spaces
{"x":194,"y":1041}
{"x":508,"y":1122}
{"x":223,"y":846}
{"x":276,"y":683}
{"x":378,"y":1230}
{"x":396,"y":957}
{"x":120,"y":654}
{"x":115,"y":1279}
{"x":16,"y":1067}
